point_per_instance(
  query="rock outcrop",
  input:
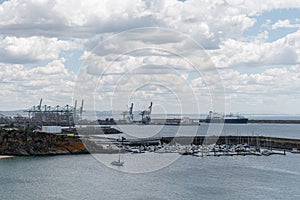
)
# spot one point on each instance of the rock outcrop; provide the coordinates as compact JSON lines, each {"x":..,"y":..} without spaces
{"x":28,"y":143}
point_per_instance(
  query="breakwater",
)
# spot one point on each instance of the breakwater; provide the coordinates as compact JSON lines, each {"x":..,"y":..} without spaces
{"x":265,"y":121}
{"x":260,"y":141}
{"x":254,"y":141}
{"x":273,"y":121}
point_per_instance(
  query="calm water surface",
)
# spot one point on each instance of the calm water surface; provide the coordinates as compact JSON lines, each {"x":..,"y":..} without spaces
{"x":269,"y":130}
{"x":83,"y":177}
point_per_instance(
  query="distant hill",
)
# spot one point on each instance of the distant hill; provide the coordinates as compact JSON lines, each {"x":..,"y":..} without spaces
{"x":12,"y":113}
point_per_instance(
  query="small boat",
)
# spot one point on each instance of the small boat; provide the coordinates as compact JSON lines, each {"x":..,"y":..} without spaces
{"x":117,"y":163}
{"x":186,"y":153}
{"x":255,"y":152}
{"x":295,"y":150}
{"x":266,"y":152}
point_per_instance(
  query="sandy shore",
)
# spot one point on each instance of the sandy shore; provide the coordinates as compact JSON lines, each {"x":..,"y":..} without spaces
{"x":3,"y":157}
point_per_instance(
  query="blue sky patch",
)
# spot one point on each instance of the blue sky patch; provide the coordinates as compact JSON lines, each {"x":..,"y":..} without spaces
{"x":72,"y":62}
{"x":267,"y":19}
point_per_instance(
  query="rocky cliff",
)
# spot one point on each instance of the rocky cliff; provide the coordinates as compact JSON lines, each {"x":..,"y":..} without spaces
{"x":27,"y":143}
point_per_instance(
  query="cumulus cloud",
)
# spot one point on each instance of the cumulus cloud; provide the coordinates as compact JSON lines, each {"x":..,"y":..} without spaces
{"x":33,"y":49}
{"x":22,"y":86}
{"x":72,"y":18}
{"x":284,"y":24}
{"x":41,"y":31}
{"x":233,"y":53}
{"x":254,"y":92}
{"x":207,"y":21}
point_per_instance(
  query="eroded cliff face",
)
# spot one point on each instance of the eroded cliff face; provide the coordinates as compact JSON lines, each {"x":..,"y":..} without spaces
{"x":27,"y":143}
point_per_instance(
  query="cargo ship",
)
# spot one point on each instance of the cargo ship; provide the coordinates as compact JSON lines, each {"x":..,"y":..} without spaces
{"x":215,"y":117}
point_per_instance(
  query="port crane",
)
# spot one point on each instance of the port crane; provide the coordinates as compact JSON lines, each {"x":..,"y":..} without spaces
{"x":44,"y":114}
{"x":146,"y":115}
{"x":129,"y":114}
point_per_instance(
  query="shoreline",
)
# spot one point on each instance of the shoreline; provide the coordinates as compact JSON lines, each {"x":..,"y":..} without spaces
{"x":280,"y":144}
{"x":28,"y":143}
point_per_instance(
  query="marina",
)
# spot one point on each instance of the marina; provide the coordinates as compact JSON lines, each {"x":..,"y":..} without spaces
{"x":150,"y":100}
{"x":196,"y":146}
{"x":67,"y":125}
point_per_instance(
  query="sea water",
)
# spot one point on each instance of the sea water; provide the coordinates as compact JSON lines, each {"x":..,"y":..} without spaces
{"x":158,"y":176}
{"x":188,"y":177}
{"x":268,"y":130}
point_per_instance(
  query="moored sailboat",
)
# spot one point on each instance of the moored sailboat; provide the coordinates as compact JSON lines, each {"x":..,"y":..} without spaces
{"x":118,"y":162}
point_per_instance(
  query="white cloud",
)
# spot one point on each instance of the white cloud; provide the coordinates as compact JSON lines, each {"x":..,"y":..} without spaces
{"x":207,"y":21}
{"x":284,"y":24}
{"x":32,"y":49}
{"x":72,"y":18}
{"x":273,"y":90}
{"x":233,"y":53}
{"x":270,"y":81}
{"x":32,"y":32}
{"x":22,"y":87}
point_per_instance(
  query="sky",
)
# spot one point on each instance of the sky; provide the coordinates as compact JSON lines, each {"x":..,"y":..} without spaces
{"x":185,"y":56}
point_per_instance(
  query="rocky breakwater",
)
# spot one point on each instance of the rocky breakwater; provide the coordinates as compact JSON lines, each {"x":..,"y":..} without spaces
{"x":28,"y":143}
